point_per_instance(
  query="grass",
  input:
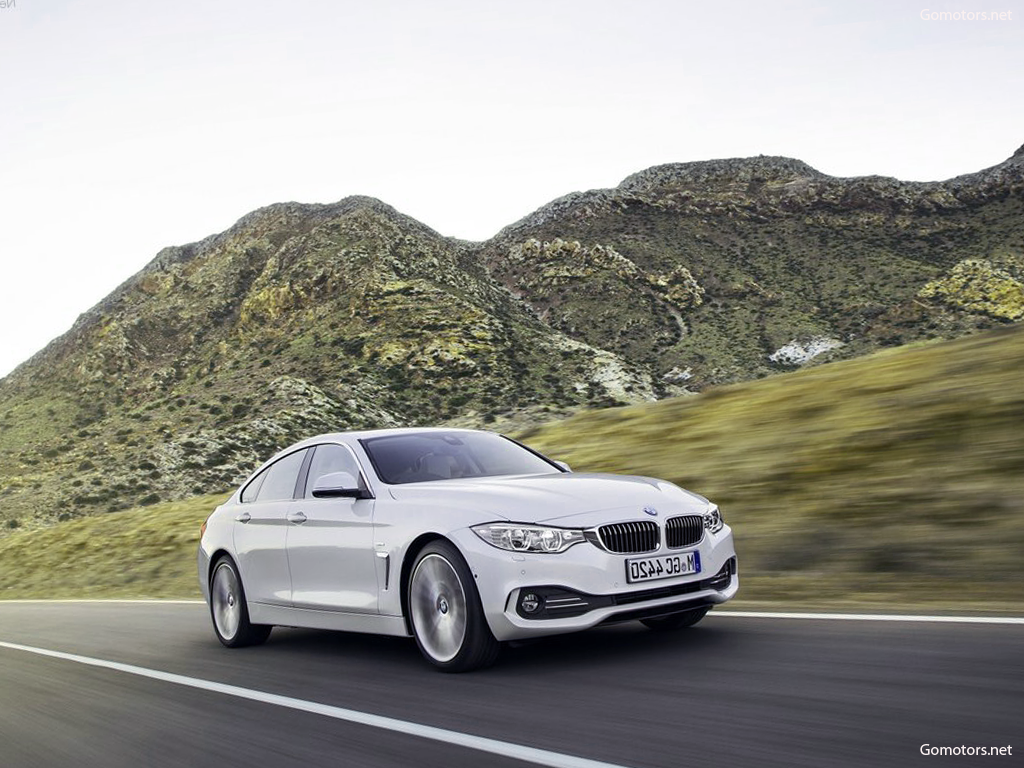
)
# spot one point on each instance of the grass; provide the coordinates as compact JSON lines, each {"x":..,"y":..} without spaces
{"x":898,"y":477}
{"x":894,"y":480}
{"x":145,"y":552}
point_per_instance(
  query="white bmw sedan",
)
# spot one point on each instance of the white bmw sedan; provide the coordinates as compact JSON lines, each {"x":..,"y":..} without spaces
{"x":460,"y":538}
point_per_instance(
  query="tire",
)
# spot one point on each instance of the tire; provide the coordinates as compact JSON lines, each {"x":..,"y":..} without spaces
{"x":228,"y":608}
{"x":445,"y":612}
{"x":676,"y":620}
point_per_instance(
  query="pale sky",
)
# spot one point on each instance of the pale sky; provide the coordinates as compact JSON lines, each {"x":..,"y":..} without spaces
{"x":130,"y":126}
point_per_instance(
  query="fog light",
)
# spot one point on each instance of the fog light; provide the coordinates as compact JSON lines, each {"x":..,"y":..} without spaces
{"x":723,"y":578}
{"x":529,"y":602}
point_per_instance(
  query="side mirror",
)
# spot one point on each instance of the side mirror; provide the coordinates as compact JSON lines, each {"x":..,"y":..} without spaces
{"x":563,"y":466}
{"x":339,"y":484}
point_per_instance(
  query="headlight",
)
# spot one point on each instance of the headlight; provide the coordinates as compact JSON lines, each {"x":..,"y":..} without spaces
{"x":528,"y":538}
{"x":713,"y":521}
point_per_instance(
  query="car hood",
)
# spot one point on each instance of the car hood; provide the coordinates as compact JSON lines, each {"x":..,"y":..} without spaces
{"x":571,"y":499}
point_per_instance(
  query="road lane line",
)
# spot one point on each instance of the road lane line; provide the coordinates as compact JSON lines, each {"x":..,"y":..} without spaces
{"x":725,"y":612}
{"x":480,"y":743}
{"x":141,"y":600}
{"x":721,"y":612}
{"x":872,"y":617}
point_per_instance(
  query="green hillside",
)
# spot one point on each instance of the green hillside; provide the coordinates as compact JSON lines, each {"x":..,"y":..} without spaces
{"x":895,"y":476}
{"x":894,"y":479}
{"x":138,"y":553}
{"x":306,"y":318}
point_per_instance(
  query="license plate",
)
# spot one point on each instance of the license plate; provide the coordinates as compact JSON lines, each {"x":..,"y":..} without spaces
{"x":662,"y":567}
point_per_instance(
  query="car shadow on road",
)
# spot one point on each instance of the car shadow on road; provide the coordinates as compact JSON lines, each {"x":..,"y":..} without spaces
{"x":322,"y":642}
{"x":596,"y":647}
{"x":620,"y":643}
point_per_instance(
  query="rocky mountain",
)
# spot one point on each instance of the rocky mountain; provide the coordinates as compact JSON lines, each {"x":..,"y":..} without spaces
{"x":307,"y":318}
{"x":731,"y":269}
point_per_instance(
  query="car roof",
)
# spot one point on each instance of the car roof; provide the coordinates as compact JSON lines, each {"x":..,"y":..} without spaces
{"x":369,"y":433}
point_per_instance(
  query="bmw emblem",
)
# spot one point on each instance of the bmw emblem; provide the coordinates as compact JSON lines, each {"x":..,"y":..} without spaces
{"x":651,"y":511}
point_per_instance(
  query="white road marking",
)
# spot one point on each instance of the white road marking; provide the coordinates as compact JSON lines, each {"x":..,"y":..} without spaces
{"x":872,"y":617}
{"x":134,"y":601}
{"x":480,"y":743}
{"x":725,"y":612}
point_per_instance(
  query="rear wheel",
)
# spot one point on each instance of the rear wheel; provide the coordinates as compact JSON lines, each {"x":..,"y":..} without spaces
{"x":228,"y":609}
{"x":445,"y":611}
{"x":676,"y":620}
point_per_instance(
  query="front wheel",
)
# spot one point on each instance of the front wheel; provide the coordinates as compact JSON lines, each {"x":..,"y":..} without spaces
{"x":228,"y":609}
{"x":445,"y":611}
{"x":676,"y":620}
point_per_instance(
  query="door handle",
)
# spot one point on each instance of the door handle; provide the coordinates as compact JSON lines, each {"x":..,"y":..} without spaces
{"x":245,"y":517}
{"x":296,"y":517}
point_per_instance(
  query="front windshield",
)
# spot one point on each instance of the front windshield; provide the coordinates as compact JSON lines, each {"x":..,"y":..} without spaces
{"x":422,"y":456}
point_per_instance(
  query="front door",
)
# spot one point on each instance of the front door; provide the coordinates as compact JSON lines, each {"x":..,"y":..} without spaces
{"x":330,"y":542}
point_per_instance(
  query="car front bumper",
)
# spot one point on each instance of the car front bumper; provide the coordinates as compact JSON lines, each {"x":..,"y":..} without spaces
{"x":586,"y":586}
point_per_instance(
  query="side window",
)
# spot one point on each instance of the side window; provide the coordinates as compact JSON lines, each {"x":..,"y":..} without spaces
{"x":250,"y":491}
{"x":281,"y":477}
{"x":330,"y":458}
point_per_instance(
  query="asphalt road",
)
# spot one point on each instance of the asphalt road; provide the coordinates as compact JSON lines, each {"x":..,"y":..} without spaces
{"x":731,"y":692}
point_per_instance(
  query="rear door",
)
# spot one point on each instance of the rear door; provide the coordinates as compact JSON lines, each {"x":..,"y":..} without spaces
{"x":330,"y":543}
{"x":260,"y":530}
